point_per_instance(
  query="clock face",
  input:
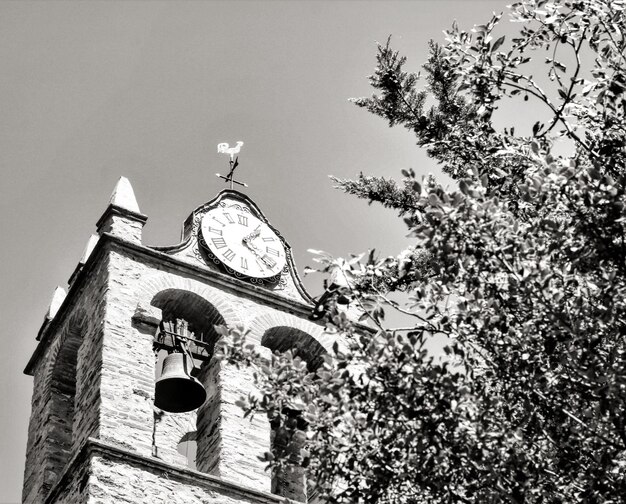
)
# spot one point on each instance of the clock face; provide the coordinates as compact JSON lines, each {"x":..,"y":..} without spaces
{"x":242,"y":242}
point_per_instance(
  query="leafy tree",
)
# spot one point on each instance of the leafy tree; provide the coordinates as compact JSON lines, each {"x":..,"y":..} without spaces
{"x":522,"y":269}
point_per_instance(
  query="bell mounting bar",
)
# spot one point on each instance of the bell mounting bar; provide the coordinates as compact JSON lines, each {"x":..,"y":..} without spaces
{"x":166,"y":340}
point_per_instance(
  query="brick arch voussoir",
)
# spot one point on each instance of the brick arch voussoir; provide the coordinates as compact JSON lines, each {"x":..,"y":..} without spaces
{"x":149,"y":289}
{"x":261,"y":324}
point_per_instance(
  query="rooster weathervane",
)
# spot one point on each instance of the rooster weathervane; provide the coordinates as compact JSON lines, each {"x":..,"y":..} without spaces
{"x":224,"y":148}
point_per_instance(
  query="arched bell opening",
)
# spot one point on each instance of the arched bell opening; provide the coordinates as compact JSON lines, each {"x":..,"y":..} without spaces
{"x":199,"y":317}
{"x":183,"y":346}
{"x":62,"y":407}
{"x":302,"y":344}
{"x":187,"y":335}
{"x":291,"y":481}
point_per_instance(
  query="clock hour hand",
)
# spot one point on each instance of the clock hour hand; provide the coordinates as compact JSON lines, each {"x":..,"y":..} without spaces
{"x":247,"y":241}
{"x":252,"y":235}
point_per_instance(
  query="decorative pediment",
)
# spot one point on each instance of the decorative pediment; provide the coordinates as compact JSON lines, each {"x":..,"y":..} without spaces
{"x":232,"y":235}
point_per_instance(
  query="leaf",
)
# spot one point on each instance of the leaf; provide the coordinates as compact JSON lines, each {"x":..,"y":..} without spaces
{"x":434,"y":200}
{"x":266,"y":457}
{"x":504,"y":379}
{"x":497,"y":43}
{"x":464,"y":186}
{"x":534,"y":146}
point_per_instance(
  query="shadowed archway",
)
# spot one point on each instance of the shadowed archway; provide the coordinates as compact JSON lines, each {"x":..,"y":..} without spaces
{"x":302,"y":344}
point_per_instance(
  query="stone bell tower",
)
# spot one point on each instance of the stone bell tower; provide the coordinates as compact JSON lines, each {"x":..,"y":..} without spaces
{"x":95,"y":434}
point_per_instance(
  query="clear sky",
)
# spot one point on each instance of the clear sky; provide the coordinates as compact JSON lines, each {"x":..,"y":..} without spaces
{"x":90,"y":91}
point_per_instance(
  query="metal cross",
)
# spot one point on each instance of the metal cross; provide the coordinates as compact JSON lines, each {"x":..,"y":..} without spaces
{"x":223,"y":148}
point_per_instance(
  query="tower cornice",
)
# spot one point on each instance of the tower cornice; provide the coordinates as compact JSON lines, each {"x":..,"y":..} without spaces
{"x":98,"y":448}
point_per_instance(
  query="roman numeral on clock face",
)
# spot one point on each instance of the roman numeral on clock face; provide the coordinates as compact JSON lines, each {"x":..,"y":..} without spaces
{"x":219,"y":242}
{"x":243,"y":220}
{"x":216,"y":231}
{"x":228,"y":255}
{"x":269,"y":261}
{"x":229,"y":218}
{"x":272,"y":251}
{"x":268,"y":238}
{"x":244,"y":263}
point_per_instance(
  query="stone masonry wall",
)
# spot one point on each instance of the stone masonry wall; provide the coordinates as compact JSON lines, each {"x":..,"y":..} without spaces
{"x":169,"y":429}
{"x":121,"y":225}
{"x":115,"y":377}
{"x":116,"y":483}
{"x":35,"y":446}
{"x":127,"y":382}
{"x":228,"y":444}
{"x":76,"y":394}
{"x":76,"y":489}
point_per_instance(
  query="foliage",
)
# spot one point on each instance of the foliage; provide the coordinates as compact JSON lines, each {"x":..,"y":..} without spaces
{"x":522,"y":268}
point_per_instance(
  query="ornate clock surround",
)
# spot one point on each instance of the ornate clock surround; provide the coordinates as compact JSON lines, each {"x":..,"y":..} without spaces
{"x":237,"y":201}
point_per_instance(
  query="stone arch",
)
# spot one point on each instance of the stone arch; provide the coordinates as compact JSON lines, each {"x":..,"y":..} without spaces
{"x":60,"y":385}
{"x":77,"y":320}
{"x":302,"y":344}
{"x":165,"y":281}
{"x":201,"y":315}
{"x":263,"y":323}
{"x":281,"y":332}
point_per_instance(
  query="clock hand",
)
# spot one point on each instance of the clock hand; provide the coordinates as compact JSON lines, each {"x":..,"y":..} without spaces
{"x":254,"y":249}
{"x":252,"y":235}
{"x":268,"y":261}
{"x":260,"y":259}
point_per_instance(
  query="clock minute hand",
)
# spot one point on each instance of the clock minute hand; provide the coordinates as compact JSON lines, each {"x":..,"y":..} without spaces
{"x":260,"y":258}
{"x":247,"y":241}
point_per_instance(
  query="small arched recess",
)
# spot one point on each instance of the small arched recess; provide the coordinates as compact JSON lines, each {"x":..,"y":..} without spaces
{"x":61,"y":388}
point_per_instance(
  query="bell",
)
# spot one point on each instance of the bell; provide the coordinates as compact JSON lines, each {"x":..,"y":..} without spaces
{"x":176,"y":390}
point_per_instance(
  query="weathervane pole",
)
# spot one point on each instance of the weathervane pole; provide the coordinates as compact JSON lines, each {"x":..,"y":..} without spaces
{"x":223,"y":148}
